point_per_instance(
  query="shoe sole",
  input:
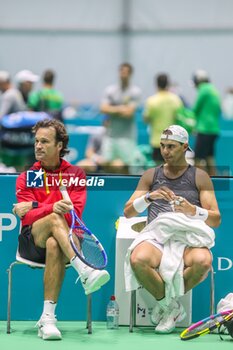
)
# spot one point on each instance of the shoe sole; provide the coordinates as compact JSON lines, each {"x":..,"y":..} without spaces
{"x":165,"y":332}
{"x":98,"y":284}
{"x":49,"y":337}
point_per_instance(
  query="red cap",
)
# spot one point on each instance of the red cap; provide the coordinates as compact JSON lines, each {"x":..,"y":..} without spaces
{"x":113,"y":297}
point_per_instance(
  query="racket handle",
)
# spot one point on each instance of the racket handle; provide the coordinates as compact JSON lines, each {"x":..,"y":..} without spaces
{"x":64,"y":193}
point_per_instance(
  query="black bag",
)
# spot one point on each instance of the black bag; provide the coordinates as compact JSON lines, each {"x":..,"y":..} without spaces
{"x":229,"y":326}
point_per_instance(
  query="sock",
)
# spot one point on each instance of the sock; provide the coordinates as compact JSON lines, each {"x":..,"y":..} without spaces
{"x":78,"y":265}
{"x":49,"y":307}
{"x":162,"y":303}
{"x":174,"y":303}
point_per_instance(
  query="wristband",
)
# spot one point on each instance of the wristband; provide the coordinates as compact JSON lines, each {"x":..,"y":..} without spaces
{"x":140,"y":204}
{"x":201,"y":214}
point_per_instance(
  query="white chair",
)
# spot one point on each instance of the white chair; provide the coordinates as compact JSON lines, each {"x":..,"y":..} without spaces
{"x":24,"y":262}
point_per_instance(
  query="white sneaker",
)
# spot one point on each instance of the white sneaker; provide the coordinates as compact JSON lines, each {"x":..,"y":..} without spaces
{"x":156,"y":314}
{"x":92,"y":280}
{"x":174,"y":313}
{"x":47,"y":329}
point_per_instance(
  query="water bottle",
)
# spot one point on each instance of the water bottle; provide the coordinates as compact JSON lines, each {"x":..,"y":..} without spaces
{"x":112,"y":313}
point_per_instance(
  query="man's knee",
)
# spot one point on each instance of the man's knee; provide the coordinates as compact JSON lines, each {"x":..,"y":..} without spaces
{"x":52,"y":247}
{"x":56,"y":219}
{"x":137,"y":261}
{"x":203,"y":262}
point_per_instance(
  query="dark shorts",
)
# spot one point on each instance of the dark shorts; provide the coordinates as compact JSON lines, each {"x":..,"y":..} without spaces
{"x":156,"y":155}
{"x":28,"y":249}
{"x":204,"y":146}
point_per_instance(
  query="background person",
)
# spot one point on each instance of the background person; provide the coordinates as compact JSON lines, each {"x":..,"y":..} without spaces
{"x":45,"y":221}
{"x":173,"y":188}
{"x":160,"y":112}
{"x":207,"y":109}
{"x":119,"y":103}
{"x":11,"y":100}
{"x":48,"y":99}
{"x":25,"y":80}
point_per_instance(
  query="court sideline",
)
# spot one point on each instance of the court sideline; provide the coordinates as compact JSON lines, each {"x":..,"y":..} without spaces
{"x":24,"y":336}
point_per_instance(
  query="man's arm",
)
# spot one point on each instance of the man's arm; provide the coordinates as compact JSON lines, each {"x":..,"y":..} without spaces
{"x":25,"y":197}
{"x":208,"y":198}
{"x":24,"y":209}
{"x":123,"y":111}
{"x":126,"y":110}
{"x":141,"y":189}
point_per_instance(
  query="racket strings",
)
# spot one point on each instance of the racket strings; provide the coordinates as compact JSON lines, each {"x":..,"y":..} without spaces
{"x":205,"y":327}
{"x":92,"y":251}
{"x":209,"y":325}
{"x":88,"y":247}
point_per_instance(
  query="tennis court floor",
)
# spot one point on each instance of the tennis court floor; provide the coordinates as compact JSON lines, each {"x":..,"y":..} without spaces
{"x":24,"y":337}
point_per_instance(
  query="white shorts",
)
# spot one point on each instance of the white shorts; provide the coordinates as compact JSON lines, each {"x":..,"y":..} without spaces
{"x":155,"y":244}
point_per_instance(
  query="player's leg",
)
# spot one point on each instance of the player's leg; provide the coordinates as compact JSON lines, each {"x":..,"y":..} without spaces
{"x":210,"y":159}
{"x":124,"y":150}
{"x":54,"y":225}
{"x":144,"y":260}
{"x":201,"y":151}
{"x":53,"y":278}
{"x":54,"y":270}
{"x":197,"y":262}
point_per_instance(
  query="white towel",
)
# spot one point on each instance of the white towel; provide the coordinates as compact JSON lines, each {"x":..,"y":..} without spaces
{"x":175,"y":231}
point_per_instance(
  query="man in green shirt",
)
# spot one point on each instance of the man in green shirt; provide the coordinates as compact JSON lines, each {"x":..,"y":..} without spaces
{"x":47,"y":99}
{"x":207,"y":109}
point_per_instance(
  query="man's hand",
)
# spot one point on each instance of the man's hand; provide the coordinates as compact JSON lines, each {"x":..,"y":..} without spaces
{"x":163,"y":193}
{"x":181,"y":205}
{"x":62,"y":207}
{"x":21,"y":208}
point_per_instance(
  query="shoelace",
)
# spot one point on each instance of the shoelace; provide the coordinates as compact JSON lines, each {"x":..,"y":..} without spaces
{"x":49,"y":320}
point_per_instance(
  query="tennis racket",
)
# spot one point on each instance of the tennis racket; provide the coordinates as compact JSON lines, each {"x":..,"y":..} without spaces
{"x":84,"y":243}
{"x":206,"y":325}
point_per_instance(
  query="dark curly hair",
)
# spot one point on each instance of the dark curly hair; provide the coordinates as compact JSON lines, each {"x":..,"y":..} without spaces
{"x":61,"y":133}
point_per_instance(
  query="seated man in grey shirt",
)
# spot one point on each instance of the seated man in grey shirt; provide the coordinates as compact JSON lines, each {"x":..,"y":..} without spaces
{"x":11,"y":100}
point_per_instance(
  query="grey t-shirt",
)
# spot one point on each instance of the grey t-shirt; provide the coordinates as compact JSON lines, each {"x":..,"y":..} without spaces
{"x":118,"y":126}
{"x":11,"y":101}
{"x":184,"y":186}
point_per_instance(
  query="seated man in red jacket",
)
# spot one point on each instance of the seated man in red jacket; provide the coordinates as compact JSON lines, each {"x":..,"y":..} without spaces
{"x":45,"y":219}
